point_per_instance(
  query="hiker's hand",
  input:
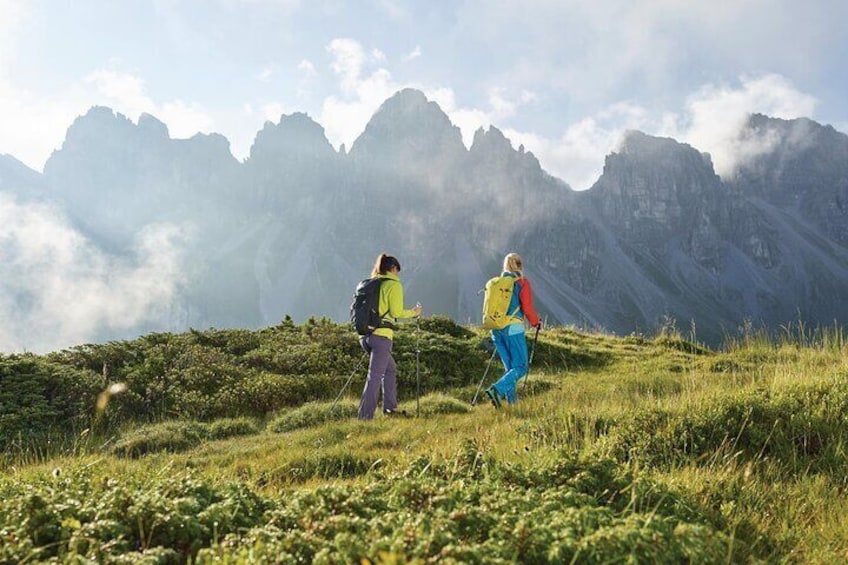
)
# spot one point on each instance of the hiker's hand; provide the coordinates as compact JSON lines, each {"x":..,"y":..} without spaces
{"x":417,"y":310}
{"x":539,"y":326}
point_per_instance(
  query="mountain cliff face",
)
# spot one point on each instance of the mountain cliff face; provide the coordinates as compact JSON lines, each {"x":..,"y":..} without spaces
{"x":293,"y":228}
{"x":19,"y":179}
{"x":803,"y":168}
{"x":116,"y":177}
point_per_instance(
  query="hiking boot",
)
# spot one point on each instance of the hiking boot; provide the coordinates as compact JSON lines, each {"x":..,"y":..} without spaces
{"x":395,"y":413}
{"x":493,"y":395}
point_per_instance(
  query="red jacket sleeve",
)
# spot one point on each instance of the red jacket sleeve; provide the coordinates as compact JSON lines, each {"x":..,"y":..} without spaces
{"x":525,"y":296}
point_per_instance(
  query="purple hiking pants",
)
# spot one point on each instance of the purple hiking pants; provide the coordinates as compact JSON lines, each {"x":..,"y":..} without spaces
{"x":381,"y":371}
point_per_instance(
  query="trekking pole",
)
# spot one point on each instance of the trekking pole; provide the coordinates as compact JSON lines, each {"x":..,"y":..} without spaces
{"x":418,"y":366}
{"x":480,"y":386}
{"x":530,"y":362}
{"x":350,"y":378}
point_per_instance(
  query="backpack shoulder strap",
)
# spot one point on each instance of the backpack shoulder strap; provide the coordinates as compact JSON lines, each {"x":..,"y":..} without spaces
{"x":382,"y":280}
{"x":518,"y":307}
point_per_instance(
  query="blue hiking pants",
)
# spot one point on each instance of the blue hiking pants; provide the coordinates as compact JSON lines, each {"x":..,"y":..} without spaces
{"x":512,"y":348}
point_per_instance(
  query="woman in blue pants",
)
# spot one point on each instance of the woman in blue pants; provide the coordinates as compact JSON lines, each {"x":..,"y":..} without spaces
{"x":510,"y":341}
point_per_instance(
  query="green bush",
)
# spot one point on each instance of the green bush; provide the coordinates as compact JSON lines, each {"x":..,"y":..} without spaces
{"x":443,"y":325}
{"x":564,"y":348}
{"x":179,"y":435}
{"x":232,"y":427}
{"x":434,"y":404}
{"x":168,"y":436}
{"x":467,"y":508}
{"x":76,"y":518}
{"x":575,"y":511}
{"x":212,"y":374}
{"x":799,"y":425}
{"x":326,"y":466}
{"x":39,"y":397}
{"x":313,"y":414}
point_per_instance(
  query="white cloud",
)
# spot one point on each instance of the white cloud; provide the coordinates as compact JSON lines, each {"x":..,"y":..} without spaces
{"x":578,"y":155}
{"x":710,"y":121}
{"x":184,"y":119}
{"x":265,"y":74}
{"x":34,"y":125}
{"x":503,"y":106}
{"x":124,"y":88}
{"x":378,"y":55}
{"x":469,"y":120}
{"x":714,"y":115}
{"x":391,"y":8}
{"x":12,"y":15}
{"x":414,"y":54}
{"x":285,"y":5}
{"x":348,"y":60}
{"x":125,"y":93}
{"x":58,"y":289}
{"x":344,"y":117}
{"x":307,"y":68}
{"x":272,"y":111}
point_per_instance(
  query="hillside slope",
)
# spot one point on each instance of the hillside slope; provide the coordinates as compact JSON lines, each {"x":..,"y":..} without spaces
{"x":647,"y":449}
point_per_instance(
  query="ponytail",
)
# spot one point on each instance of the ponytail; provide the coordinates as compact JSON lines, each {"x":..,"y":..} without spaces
{"x":513,"y":263}
{"x":383,"y":264}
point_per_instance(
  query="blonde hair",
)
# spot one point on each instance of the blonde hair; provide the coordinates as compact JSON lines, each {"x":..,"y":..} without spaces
{"x":512,"y":263}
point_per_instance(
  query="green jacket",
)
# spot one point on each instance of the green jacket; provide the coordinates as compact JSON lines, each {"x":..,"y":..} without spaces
{"x":391,"y":302}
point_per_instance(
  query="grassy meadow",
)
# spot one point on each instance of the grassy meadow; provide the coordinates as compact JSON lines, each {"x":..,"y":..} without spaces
{"x":222,"y":446}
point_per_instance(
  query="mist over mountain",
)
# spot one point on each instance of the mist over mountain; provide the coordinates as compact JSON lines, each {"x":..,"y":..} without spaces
{"x":294,"y":227}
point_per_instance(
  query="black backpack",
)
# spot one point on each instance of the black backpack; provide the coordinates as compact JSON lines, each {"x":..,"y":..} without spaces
{"x":363,"y":311}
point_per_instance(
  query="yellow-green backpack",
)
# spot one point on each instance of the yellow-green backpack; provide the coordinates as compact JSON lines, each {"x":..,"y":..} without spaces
{"x":496,"y":303}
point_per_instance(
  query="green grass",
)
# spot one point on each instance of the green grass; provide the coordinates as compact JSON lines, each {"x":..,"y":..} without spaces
{"x":636,"y":448}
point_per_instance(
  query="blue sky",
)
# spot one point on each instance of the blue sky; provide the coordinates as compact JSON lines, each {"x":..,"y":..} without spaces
{"x":565,"y":78}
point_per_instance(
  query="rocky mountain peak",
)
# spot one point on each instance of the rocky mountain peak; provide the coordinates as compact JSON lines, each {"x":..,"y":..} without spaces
{"x":661,"y":151}
{"x":152,"y":127}
{"x":659,"y":234}
{"x":646,"y":163}
{"x":491,"y":140}
{"x":408,"y":121}
{"x":494,"y":149}
{"x":654,"y":189}
{"x":296,"y":135}
{"x":17,"y":177}
{"x":796,"y":164}
{"x":100,"y":125}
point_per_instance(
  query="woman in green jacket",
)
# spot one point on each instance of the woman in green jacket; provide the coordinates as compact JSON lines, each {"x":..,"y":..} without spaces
{"x":382,"y":369}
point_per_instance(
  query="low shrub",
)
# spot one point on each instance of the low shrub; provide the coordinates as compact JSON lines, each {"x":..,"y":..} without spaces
{"x":172,"y":436}
{"x":443,"y":325}
{"x":179,"y":435}
{"x":574,"y":511}
{"x":313,"y":414}
{"x":327,"y":466}
{"x":799,"y":425}
{"x":211,"y":374}
{"x":466,"y":508}
{"x":161,"y":519}
{"x":39,"y":397}
{"x":434,"y":404}
{"x":534,"y":384}
{"x":232,"y":427}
